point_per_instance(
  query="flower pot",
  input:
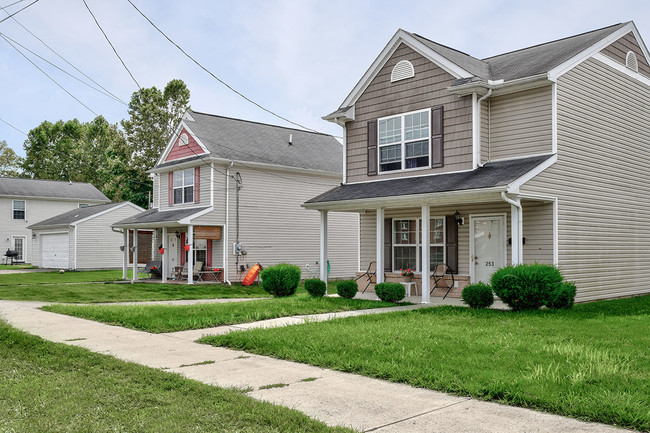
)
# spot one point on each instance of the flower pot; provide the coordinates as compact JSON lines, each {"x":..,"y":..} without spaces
{"x":407,"y":279}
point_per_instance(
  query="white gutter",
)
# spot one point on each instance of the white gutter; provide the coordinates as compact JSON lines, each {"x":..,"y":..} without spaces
{"x":226,"y":226}
{"x":520,"y":227}
{"x":478,"y":128}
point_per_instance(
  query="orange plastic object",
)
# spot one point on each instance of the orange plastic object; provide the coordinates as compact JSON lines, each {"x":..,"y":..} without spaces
{"x":251,"y":275}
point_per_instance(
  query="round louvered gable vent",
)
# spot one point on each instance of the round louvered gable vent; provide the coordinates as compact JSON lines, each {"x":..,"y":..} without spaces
{"x":631,"y":61}
{"x":402,"y":70}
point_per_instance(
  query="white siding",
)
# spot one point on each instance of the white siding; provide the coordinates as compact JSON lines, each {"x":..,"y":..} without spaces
{"x":601,"y":180}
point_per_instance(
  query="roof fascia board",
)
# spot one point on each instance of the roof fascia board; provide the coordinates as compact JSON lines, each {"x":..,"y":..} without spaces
{"x":513,"y":187}
{"x":574,"y":61}
{"x":639,"y":39}
{"x":481,"y":88}
{"x":77,"y":199}
{"x":105,"y":211}
{"x":401,"y":36}
{"x":621,"y":68}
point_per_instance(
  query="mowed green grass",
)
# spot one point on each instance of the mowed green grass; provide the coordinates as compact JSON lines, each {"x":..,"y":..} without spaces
{"x":170,"y":318}
{"x":591,"y":363}
{"x":15,"y":267}
{"x":50,"y":387}
{"x":29,"y":278}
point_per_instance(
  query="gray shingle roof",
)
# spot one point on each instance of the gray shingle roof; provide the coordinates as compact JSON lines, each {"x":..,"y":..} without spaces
{"x":16,"y":187}
{"x":493,"y":174}
{"x":153,"y":216}
{"x":471,"y":64}
{"x":246,"y":141}
{"x":67,"y":218}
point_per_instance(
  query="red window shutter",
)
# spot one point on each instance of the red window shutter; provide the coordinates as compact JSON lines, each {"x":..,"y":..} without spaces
{"x":197,"y":183}
{"x":170,"y":188}
{"x":437,"y":133}
{"x":208,"y":254}
{"x":183,"y":249}
{"x":372,"y":147}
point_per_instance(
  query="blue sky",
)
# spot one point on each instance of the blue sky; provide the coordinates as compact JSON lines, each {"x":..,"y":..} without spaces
{"x":299,"y":58}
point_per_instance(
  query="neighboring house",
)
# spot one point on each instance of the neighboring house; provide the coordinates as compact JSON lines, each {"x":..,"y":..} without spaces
{"x":540,"y":154}
{"x":27,"y":201}
{"x":82,"y":238}
{"x":227,"y":192}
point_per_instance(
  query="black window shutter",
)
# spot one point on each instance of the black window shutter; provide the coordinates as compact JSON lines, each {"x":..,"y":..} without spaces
{"x":437,"y":133}
{"x":372,"y":147}
{"x":388,"y":245}
{"x":451,"y":228}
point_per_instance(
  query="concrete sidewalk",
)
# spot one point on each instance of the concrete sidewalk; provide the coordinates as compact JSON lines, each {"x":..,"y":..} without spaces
{"x":330,"y":396}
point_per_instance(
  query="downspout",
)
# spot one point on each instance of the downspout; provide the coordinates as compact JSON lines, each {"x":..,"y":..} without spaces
{"x":520,"y":225}
{"x":227,"y":226}
{"x":478,"y":126}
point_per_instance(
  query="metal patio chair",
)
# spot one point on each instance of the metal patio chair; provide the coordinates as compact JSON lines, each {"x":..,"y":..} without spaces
{"x":370,"y":273}
{"x":439,"y":281}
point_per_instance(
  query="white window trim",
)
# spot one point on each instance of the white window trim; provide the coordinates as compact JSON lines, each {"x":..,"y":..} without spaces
{"x":418,"y":244}
{"x":403,"y":143}
{"x":13,"y":208}
{"x":182,"y":188}
{"x":13,"y":246}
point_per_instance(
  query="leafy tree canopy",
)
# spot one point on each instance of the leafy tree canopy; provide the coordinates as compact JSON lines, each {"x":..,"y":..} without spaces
{"x":10,"y":163}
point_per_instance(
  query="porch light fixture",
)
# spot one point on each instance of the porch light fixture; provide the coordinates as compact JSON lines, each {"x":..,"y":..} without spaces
{"x":458,"y":218}
{"x":178,"y":235}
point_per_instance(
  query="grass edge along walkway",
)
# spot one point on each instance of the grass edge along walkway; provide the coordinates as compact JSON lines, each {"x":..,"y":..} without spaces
{"x":590,"y":363}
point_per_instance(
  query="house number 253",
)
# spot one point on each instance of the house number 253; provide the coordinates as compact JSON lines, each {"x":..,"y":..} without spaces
{"x":489,"y":263}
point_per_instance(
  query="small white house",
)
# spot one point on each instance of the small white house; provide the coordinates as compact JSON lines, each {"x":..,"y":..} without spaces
{"x":81,"y":238}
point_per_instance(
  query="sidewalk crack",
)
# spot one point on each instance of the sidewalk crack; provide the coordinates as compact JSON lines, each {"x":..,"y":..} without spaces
{"x":417,"y":415}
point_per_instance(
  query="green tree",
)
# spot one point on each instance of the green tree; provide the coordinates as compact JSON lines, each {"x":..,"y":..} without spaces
{"x":10,"y":163}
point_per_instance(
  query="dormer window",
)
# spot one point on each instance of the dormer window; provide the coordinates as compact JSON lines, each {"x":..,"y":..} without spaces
{"x":184,"y":186}
{"x":404,"y":141}
{"x":631,"y":61}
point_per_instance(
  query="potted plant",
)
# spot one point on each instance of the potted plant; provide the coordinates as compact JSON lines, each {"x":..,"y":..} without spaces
{"x":407,"y":275}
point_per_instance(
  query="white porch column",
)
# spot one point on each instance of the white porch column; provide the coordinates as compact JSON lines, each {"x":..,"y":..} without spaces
{"x":164,"y":259}
{"x":135,"y":255}
{"x":516,"y":232}
{"x":380,"y":245}
{"x":426,"y":253}
{"x":190,"y":255}
{"x":323,"y":246}
{"x":125,"y":255}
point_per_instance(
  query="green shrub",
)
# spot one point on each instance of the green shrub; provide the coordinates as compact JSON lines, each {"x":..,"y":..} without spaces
{"x":526,"y":287}
{"x":346,"y":288}
{"x":316,"y":287}
{"x":281,"y":280}
{"x":390,"y":292}
{"x":478,"y":295}
{"x":563,"y":296}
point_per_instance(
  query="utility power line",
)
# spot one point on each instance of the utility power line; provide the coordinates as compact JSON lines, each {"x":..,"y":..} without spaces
{"x":4,"y":121}
{"x":11,"y":4}
{"x":18,"y":11}
{"x":109,"y":43}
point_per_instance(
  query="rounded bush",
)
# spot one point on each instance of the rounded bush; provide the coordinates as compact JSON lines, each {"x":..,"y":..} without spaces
{"x":316,"y":287}
{"x":281,"y":280}
{"x":390,"y":292}
{"x":563,"y":296}
{"x":478,"y":295}
{"x":526,"y":287}
{"x":347,"y":289}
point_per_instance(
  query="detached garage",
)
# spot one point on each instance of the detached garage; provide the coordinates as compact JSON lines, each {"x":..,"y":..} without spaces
{"x":81,"y":238}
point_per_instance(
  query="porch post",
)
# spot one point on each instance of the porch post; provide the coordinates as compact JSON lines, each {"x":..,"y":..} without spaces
{"x":380,"y":245}
{"x":426,"y":253}
{"x":165,"y":262}
{"x":323,"y":246}
{"x":125,"y":254}
{"x":135,"y":255}
{"x":516,"y":225}
{"x":190,"y":255}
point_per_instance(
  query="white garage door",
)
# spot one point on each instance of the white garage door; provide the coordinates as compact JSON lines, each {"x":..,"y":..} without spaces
{"x":55,"y":251}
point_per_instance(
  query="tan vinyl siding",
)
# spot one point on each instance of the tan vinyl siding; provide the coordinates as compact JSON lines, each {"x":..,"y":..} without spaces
{"x":520,"y":124}
{"x":427,"y":89}
{"x":601,"y":181}
{"x":274,"y":227}
{"x":538,"y":232}
{"x":619,"y":49}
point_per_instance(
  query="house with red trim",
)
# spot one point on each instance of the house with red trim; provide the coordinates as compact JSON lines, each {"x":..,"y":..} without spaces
{"x":536,"y":155}
{"x":227,"y":194}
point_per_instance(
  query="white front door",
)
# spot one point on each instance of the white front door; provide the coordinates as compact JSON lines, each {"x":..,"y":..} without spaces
{"x":172,"y":253}
{"x":488,"y":246}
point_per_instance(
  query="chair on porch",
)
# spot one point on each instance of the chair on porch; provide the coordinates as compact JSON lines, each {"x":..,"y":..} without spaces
{"x":370,"y":273}
{"x":198,"y":267}
{"x":439,"y":281}
{"x":154,"y":269}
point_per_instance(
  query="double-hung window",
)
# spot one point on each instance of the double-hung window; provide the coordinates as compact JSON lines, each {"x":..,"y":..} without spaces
{"x":407,"y":243}
{"x":404,"y":141}
{"x":184,"y":186}
{"x":19,"y":209}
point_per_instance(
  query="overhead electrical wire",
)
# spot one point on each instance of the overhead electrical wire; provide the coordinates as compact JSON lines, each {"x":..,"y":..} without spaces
{"x":111,"y":44}
{"x":64,"y":59}
{"x":219,"y":79}
{"x":11,"y":4}
{"x":18,"y":11}
{"x":46,"y":74}
{"x":4,"y":121}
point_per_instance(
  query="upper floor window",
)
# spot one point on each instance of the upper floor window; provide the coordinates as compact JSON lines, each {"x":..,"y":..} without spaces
{"x":184,"y":186}
{"x":404,"y":141}
{"x":19,"y":209}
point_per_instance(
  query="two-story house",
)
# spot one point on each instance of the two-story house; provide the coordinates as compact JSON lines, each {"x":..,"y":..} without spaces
{"x":28,"y":201}
{"x":227,"y":194}
{"x":536,"y":155}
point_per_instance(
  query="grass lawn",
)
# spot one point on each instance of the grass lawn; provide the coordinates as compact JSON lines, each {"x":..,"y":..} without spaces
{"x":592,"y":362}
{"x":56,"y":278}
{"x":15,"y":267}
{"x":167,"y":318}
{"x":50,"y":387}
